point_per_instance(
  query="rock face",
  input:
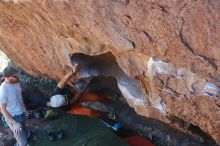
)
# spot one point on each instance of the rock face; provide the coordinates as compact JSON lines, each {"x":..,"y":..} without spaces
{"x":165,"y":55}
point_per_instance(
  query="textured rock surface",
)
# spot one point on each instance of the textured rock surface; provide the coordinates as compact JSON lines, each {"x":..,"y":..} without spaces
{"x":164,"y":54}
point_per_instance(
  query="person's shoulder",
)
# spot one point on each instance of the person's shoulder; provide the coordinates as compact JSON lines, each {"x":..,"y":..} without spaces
{"x":3,"y":89}
{"x":6,"y":86}
{"x":3,"y":85}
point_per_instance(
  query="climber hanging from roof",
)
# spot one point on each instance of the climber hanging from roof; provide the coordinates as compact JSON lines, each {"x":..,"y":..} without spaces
{"x":63,"y":97}
{"x":66,"y":98}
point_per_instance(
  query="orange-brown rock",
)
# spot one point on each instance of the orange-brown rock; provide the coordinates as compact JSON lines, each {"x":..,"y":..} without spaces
{"x":164,"y":54}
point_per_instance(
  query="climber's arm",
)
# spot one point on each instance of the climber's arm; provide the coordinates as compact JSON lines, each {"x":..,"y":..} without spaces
{"x":67,"y":77}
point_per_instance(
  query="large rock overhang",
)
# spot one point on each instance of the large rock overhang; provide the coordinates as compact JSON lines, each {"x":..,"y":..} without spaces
{"x":170,"y":51}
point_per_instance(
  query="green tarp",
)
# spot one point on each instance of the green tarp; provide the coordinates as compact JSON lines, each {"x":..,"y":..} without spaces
{"x":79,"y":131}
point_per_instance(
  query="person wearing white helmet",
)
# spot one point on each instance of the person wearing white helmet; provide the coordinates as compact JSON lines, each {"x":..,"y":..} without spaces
{"x":64,"y":97}
{"x":58,"y":101}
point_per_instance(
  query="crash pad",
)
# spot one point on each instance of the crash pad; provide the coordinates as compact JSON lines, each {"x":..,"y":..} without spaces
{"x":78,"y":131}
{"x":76,"y":108}
{"x":138,"y":141}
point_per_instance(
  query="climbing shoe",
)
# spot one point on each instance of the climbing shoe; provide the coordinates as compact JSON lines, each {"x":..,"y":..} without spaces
{"x":60,"y":134}
{"x":51,"y":135}
{"x":37,"y":115}
{"x":29,"y":114}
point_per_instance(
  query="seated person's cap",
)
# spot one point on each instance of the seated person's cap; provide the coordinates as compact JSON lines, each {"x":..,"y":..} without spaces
{"x":10,"y":71}
{"x":57,"y":101}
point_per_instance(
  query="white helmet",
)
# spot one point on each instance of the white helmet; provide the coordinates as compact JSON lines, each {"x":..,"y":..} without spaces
{"x":57,"y":101}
